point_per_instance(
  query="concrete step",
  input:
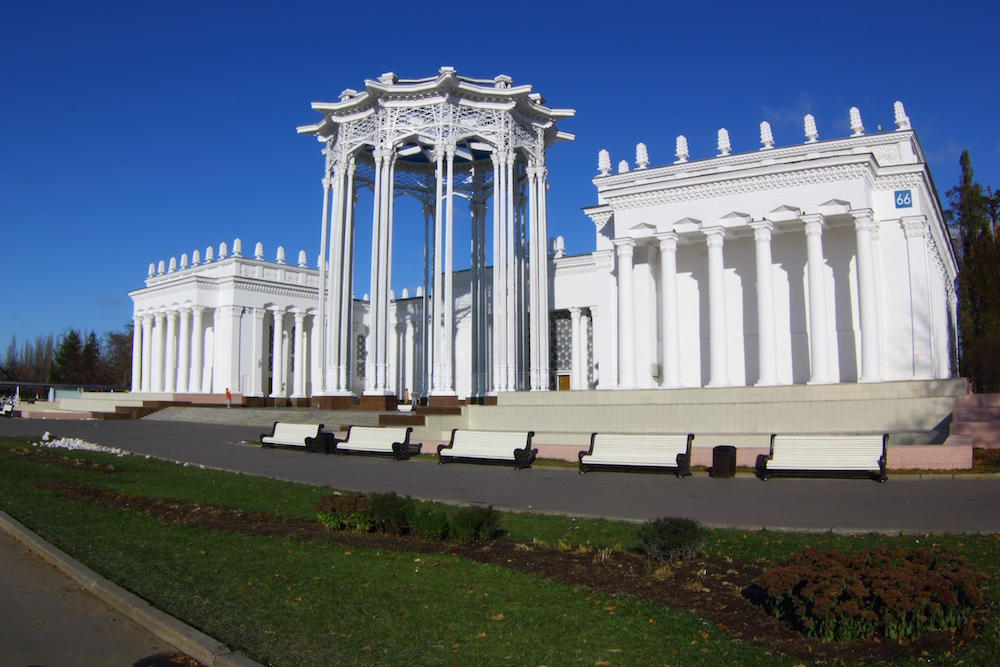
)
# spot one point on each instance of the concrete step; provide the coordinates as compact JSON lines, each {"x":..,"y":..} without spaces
{"x":990,"y":414}
{"x":978,"y":401}
{"x":401,"y":419}
{"x":985,"y":435}
{"x":439,"y":409}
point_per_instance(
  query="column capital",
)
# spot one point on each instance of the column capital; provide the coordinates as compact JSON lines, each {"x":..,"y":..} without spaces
{"x":185,"y":312}
{"x":300,"y":317}
{"x":327,"y":182}
{"x":762,"y":231}
{"x":575,"y":311}
{"x":864,"y":219}
{"x":198,"y":310}
{"x":914,"y":226}
{"x":625,"y":247}
{"x":714,"y":236}
{"x":668,"y":241}
{"x":258,"y":314}
{"x":137,"y":320}
{"x":813,"y":224}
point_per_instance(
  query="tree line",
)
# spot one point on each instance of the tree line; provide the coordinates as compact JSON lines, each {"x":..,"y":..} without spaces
{"x":73,"y":358}
{"x":972,"y":216}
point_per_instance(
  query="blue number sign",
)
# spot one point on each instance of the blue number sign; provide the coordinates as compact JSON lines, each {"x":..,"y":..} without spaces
{"x":904,"y":199}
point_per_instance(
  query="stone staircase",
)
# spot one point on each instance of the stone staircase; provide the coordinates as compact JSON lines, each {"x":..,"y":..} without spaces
{"x":977,"y":416}
{"x":334,"y":420}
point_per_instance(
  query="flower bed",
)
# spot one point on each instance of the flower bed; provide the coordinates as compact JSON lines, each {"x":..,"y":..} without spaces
{"x":892,"y":594}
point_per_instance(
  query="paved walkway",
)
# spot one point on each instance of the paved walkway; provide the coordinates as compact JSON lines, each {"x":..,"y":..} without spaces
{"x":903,"y":504}
{"x":47,"y":620}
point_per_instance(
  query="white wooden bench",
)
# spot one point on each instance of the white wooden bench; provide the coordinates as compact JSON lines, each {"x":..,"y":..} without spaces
{"x":638,"y":451}
{"x":373,"y":440}
{"x":493,"y":446}
{"x":291,"y":435}
{"x":826,"y":455}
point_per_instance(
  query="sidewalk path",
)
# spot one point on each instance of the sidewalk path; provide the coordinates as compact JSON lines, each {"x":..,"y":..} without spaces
{"x":903,"y":504}
{"x":46,"y":619}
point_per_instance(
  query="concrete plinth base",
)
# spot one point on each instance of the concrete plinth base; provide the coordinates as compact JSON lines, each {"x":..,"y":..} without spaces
{"x":379,"y":403}
{"x":255,"y":402}
{"x":299,"y":402}
{"x":332,"y":402}
{"x":276,"y":402}
{"x":446,"y":401}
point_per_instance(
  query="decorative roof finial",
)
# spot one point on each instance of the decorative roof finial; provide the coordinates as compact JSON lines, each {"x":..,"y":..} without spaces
{"x":622,"y":167}
{"x":682,"y":149}
{"x":184,"y":260}
{"x":223,"y":250}
{"x":641,"y":156}
{"x":406,"y":293}
{"x":902,"y":120}
{"x":258,"y":251}
{"x":209,"y":254}
{"x":811,"y":134}
{"x":173,"y":265}
{"x":558,"y":247}
{"x":302,"y":258}
{"x":195,"y":258}
{"x":152,"y":269}
{"x":161,"y":268}
{"x":237,"y":248}
{"x":281,"y":255}
{"x":724,"y":146}
{"x":420,"y":290}
{"x":857,"y":129}
{"x":604,"y":162}
{"x":766,"y":138}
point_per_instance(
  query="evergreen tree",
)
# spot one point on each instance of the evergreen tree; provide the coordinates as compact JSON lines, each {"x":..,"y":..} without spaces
{"x":66,"y":364}
{"x":90,"y":370}
{"x":973,"y":218}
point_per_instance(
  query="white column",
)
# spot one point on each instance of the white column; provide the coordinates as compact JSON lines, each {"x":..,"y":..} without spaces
{"x":575,"y":362}
{"x":510,"y":274}
{"x":218,"y":336}
{"x":499,"y":273}
{"x":767,"y":345}
{"x":159,"y":351}
{"x":147,"y":353}
{"x":718,"y":333}
{"x":333,"y":306}
{"x":257,"y":360}
{"x":184,"y":351}
{"x":277,"y":367}
{"x":819,"y":346}
{"x":437,"y":308}
{"x":670,"y":348}
{"x":170,"y":372}
{"x":915,"y":228}
{"x":345,"y":314}
{"x":448,"y":329}
{"x":408,"y":357}
{"x":197,"y":350}
{"x":136,"y":353}
{"x":626,"y":319}
{"x":868,"y":303}
{"x":298,"y":363}
{"x":323,"y":293}
{"x":584,"y":381}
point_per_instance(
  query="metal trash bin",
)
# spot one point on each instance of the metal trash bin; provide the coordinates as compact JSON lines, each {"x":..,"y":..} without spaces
{"x":724,"y":461}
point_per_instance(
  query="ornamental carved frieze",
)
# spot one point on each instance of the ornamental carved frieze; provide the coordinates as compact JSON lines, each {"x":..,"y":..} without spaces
{"x":738,"y":186}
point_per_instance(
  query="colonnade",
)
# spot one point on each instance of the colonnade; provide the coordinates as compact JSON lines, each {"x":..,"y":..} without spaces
{"x":181,"y":350}
{"x":500,"y":362}
{"x":819,"y":347}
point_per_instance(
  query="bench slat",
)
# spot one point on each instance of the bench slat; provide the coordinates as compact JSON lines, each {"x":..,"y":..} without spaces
{"x":377,"y":440}
{"x":290,"y":435}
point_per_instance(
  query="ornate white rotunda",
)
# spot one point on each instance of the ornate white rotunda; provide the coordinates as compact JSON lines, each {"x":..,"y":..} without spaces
{"x":441,"y":140}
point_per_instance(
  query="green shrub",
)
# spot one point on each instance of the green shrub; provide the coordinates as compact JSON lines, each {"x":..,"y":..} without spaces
{"x":671,"y":538}
{"x":389,"y":512}
{"x":430,"y":520}
{"x":894,"y":594}
{"x":474,"y":523}
{"x":341,"y":511}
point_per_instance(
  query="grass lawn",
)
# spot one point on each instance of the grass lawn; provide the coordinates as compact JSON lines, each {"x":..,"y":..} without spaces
{"x":285,"y":602}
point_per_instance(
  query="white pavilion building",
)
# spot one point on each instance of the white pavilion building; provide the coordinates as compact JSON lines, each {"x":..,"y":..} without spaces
{"x":819,"y":263}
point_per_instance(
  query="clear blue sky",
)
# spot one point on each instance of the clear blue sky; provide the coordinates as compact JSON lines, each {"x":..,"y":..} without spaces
{"x":132,"y":132}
